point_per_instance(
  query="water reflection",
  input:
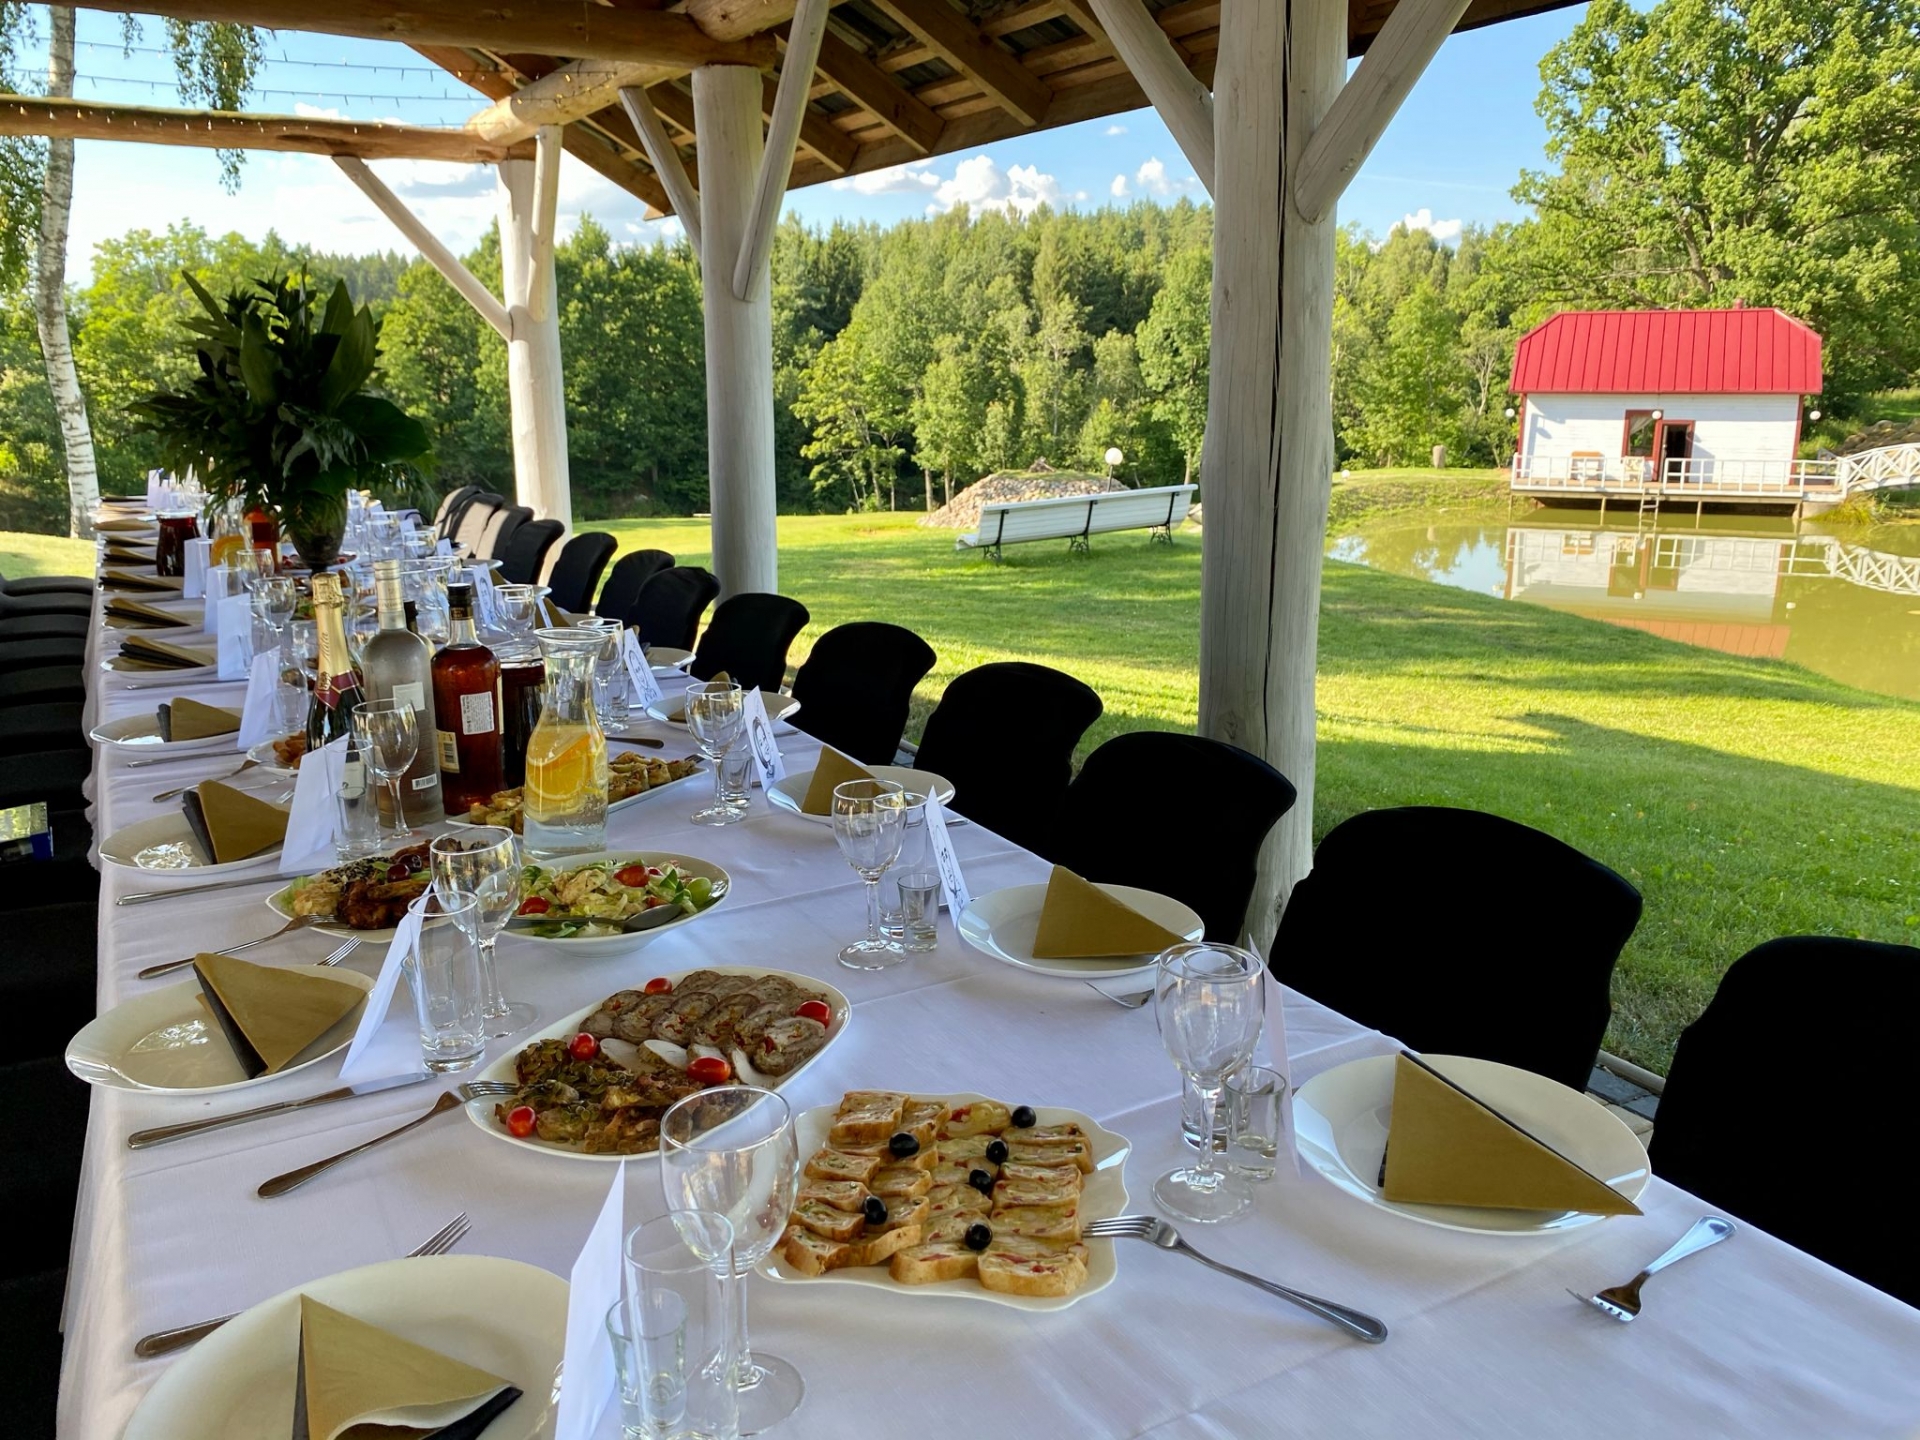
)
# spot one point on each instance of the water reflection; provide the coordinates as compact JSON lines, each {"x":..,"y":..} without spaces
{"x":1843,"y":603}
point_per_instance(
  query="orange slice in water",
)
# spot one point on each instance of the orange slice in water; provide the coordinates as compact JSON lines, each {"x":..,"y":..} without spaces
{"x":557,"y":780}
{"x":225,"y":548}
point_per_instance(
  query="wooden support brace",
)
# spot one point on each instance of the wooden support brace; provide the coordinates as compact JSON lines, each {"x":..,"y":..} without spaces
{"x":783,"y":134}
{"x":666,"y":160}
{"x":1181,"y":100}
{"x":428,"y":244}
{"x":1397,"y":58}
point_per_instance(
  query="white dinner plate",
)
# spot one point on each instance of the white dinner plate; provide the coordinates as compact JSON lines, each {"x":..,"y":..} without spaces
{"x":1003,"y":923}
{"x":505,"y":1317}
{"x":791,"y":791}
{"x":781,"y":708}
{"x":263,"y":756}
{"x":145,"y":679}
{"x":1340,"y":1119}
{"x":668,"y":660}
{"x":1103,"y":1196}
{"x":598,"y":947}
{"x":140,"y":735}
{"x":481,"y":1112}
{"x":165,"y":842}
{"x":168,"y":1042}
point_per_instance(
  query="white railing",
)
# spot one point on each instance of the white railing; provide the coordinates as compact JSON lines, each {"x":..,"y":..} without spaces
{"x":1634,"y":474}
{"x":1823,"y":557}
{"x":1888,"y":467}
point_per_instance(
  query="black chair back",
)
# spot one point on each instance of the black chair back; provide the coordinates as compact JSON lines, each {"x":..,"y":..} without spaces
{"x":630,"y":572}
{"x":527,"y":550}
{"x":452,"y":506}
{"x":856,"y":686}
{"x":576,"y":574}
{"x":42,"y":685}
{"x":1845,"y":1008}
{"x":1462,"y":933}
{"x":54,"y":650}
{"x":501,"y":529}
{"x":1004,"y":735}
{"x":45,"y":625}
{"x":749,"y":637}
{"x":1120,"y":811}
{"x":470,"y":527}
{"x":670,"y":605}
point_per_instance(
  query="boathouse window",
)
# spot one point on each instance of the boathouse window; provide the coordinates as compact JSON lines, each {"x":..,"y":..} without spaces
{"x":1640,"y":427}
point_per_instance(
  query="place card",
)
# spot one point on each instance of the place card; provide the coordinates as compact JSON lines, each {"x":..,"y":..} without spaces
{"x":646,"y":685}
{"x":257,"y":713}
{"x":586,"y":1366}
{"x":952,"y":880}
{"x":314,"y":816}
{"x":767,"y":761}
{"x":443,"y":548}
{"x":193,"y":582}
{"x":486,"y":599}
{"x":379,"y":1049}
{"x":233,"y":619}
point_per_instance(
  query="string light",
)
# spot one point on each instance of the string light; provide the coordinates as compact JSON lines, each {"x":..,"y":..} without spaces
{"x":305,"y":93}
{"x":285,"y":59}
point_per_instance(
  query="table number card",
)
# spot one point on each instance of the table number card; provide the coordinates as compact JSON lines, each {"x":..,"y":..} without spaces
{"x":193,"y":581}
{"x":952,"y":880}
{"x":586,"y":1366}
{"x":310,"y":824}
{"x":234,"y":621}
{"x":767,"y":761}
{"x":256,"y":715}
{"x":646,"y":685}
{"x":379,"y":1049}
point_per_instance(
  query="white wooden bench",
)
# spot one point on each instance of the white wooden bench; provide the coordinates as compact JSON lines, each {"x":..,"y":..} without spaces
{"x":1075,"y":518}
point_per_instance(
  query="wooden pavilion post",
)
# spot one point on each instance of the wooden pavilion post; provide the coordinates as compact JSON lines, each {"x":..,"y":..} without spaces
{"x":529,"y":194}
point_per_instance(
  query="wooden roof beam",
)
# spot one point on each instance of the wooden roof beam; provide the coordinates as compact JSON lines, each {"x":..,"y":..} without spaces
{"x":570,"y":93}
{"x":869,"y":87}
{"x":962,"y":45}
{"x":816,"y":131}
{"x":230,"y":130}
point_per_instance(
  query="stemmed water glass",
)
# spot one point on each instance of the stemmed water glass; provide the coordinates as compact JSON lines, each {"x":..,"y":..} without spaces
{"x":869,"y":822}
{"x":716,"y":715}
{"x":1210,"y":1003}
{"x":732,"y":1150}
{"x":609,"y":671}
{"x":388,"y":735}
{"x":484,"y":861}
{"x":274,"y":600}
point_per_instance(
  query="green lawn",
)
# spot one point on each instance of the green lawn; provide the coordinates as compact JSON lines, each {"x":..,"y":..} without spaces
{"x":1746,"y":798}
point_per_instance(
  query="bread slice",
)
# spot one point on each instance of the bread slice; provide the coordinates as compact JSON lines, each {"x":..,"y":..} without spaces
{"x":871,"y":1124}
{"x":891,"y":1181}
{"x":1049,"y":1224}
{"x":926,"y":1129}
{"x":1063,"y":1134}
{"x":833,"y":1164}
{"x":1077,"y":1152}
{"x":1052,"y":1191}
{"x":826,"y":1221}
{"x":848,"y":1195}
{"x":979,"y":1118}
{"x":876,"y":1249}
{"x":812,"y":1254}
{"x":944,"y":1174}
{"x":951,"y":1227}
{"x":868,"y":1099}
{"x":957,"y":1200}
{"x":925,"y":1263}
{"x":918,"y":1112}
{"x":1017,"y":1270}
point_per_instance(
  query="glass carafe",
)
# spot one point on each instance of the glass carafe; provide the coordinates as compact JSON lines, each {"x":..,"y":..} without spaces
{"x":565,"y":807}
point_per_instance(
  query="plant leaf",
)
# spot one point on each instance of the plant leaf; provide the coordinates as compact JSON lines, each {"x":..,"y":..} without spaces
{"x":352,"y":363}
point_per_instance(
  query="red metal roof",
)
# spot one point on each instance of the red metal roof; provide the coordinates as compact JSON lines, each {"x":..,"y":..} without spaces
{"x":1678,"y":352}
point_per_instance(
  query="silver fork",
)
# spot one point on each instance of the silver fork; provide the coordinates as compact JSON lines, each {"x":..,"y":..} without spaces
{"x":298,"y":922}
{"x":1125,"y":1002}
{"x":1156,"y":1231}
{"x":182,"y":789}
{"x":452,"y":1099}
{"x":165,"y":1342}
{"x":1622,"y":1302}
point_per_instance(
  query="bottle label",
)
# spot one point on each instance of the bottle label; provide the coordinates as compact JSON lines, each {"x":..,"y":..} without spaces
{"x":329,"y":688}
{"x":413,"y":693}
{"x":449,"y":753}
{"x":426,"y":782}
{"x":476,"y":713}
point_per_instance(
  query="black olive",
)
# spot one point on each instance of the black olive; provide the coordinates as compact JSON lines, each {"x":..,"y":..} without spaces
{"x":875,"y":1210}
{"x":903,"y":1145}
{"x":997,"y":1151}
{"x":978,"y":1237}
{"x":1023,"y":1116}
{"x":981,"y":1181}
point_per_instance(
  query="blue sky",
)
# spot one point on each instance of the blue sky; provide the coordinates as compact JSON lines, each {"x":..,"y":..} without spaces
{"x":1451,"y":155}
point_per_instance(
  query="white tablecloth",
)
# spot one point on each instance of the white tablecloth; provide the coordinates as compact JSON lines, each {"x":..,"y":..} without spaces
{"x":1755,"y":1338}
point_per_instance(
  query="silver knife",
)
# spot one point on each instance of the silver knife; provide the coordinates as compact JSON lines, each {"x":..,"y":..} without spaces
{"x":141,"y":897}
{"x":141,"y":1139}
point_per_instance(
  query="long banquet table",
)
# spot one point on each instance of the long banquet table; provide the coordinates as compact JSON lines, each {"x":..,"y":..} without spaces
{"x":1753,"y":1339}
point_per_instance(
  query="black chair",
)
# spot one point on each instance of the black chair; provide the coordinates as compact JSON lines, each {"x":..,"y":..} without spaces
{"x":856,"y":686}
{"x":1461,"y":933}
{"x":1846,"y":1009}
{"x":749,"y":637}
{"x":56,"y":602}
{"x":45,"y":627}
{"x":48,"y":973}
{"x":51,"y":776}
{"x":629,"y":575}
{"x":527,"y":550}
{"x":670,"y":605}
{"x":576,"y":574}
{"x":1112,"y":830}
{"x":470,"y":527}
{"x":506,"y":523}
{"x":45,"y":650}
{"x":1004,"y":735}
{"x":40,"y":725}
{"x":46,"y":585}
{"x":452,"y":506}
{"x":41,"y":685}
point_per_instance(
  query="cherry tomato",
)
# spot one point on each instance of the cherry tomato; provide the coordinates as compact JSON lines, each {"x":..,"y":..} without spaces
{"x":397,"y":872}
{"x":534,"y":905}
{"x":633,"y":876}
{"x":583,"y":1046}
{"x":654,"y":872}
{"x":709,"y":1070}
{"x":652,"y":902}
{"x":520,"y":1121}
{"x":815,"y":1010}
{"x":659,"y":985}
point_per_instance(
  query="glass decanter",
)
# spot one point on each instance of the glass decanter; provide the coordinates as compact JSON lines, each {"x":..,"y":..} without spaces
{"x":566,"y":788}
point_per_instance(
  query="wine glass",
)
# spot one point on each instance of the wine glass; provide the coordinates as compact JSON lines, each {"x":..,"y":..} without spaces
{"x":1210,"y":1003}
{"x":484,"y":861}
{"x":732,"y":1150}
{"x":716,"y":715}
{"x":388,"y":734}
{"x":869,"y":822}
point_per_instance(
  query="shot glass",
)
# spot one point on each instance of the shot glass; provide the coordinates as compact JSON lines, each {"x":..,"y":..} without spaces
{"x":357,"y":832}
{"x":674,"y":1347}
{"x":736,"y":778}
{"x":447,"y":992}
{"x":913,"y":923}
{"x":1252,"y":1101}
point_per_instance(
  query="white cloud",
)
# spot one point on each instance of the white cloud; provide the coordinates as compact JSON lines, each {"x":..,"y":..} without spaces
{"x":315,"y":112}
{"x":894,"y":180}
{"x":1119,"y":187}
{"x":1444,"y":231}
{"x":979,"y":183}
{"x":1114,"y":130}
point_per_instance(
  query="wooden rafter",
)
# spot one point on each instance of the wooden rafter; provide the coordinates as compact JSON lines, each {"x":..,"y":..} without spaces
{"x":783,"y":135}
{"x":867,"y":85}
{"x":962,"y":45}
{"x":666,"y":159}
{"x":1181,"y":101}
{"x":835,"y":149}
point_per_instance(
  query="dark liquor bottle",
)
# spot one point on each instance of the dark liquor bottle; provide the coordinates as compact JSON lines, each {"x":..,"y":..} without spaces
{"x":336,"y":687}
{"x":466,"y":710}
{"x":398,"y":665}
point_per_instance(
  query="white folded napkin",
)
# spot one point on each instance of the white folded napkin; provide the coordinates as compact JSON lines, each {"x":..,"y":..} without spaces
{"x":386,"y":1044}
{"x":233,"y":623}
{"x":586,"y":1367}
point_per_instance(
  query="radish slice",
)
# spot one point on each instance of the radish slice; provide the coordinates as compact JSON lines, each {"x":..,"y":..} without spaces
{"x":669,"y":1052}
{"x":706,"y":1052}
{"x":745,"y":1074}
{"x":621,"y":1052}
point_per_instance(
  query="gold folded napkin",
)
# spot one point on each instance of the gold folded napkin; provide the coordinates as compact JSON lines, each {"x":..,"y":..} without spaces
{"x":130,"y":523}
{"x":358,"y":1382}
{"x":720,"y":677}
{"x":184,"y":719}
{"x":833,"y":769}
{"x":231,"y":824}
{"x":1444,"y":1147}
{"x":1080,"y":921}
{"x":268,"y":1015}
{"x":135,"y":613}
{"x":130,"y":580}
{"x":143,"y":652}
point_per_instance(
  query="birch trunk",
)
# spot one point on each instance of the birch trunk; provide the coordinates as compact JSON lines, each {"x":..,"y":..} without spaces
{"x":49,"y":293}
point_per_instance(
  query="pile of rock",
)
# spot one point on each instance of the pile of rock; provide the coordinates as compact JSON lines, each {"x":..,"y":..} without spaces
{"x":1887,"y":432}
{"x":1005,"y":486}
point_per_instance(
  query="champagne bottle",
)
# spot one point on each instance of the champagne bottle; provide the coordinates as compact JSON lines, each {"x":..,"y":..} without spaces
{"x":466,"y":708}
{"x":336,"y":688}
{"x":398,"y":665}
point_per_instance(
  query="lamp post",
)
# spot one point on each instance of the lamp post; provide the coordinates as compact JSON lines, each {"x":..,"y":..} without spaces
{"x":1114,"y":457}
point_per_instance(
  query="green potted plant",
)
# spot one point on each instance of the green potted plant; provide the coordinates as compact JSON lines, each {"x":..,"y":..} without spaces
{"x":280,"y":417}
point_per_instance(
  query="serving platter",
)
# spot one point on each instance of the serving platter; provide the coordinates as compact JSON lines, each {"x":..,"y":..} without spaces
{"x":167,"y":1042}
{"x":1340,"y":1120}
{"x":790,"y":791}
{"x":1104,"y":1195}
{"x":165,"y":843}
{"x":505,"y":1317}
{"x":480,"y":1112}
{"x":140,"y":735}
{"x":1002,"y":923}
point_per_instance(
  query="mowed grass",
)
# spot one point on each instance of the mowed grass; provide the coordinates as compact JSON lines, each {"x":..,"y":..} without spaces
{"x":1745,"y":798}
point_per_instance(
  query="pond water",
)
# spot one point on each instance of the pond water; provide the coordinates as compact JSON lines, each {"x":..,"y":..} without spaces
{"x":1843,"y":601}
